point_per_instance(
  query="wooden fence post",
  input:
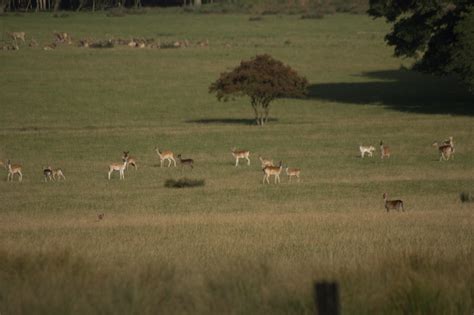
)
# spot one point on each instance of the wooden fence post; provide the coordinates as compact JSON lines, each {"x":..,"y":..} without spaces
{"x":326,"y":297}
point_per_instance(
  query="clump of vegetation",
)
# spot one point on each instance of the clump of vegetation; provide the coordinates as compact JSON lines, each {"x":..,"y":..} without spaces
{"x":102,"y":44}
{"x":255,"y":18}
{"x":184,"y":183}
{"x":263,"y":79}
{"x":466,"y":197}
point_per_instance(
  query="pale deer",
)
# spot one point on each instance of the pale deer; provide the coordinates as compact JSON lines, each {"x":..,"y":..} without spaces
{"x":166,"y":155}
{"x":240,"y":154}
{"x":293,"y":172}
{"x":17,"y":35}
{"x":119,"y":168}
{"x":392,"y":204}
{"x":445,"y":150}
{"x":48,"y":174}
{"x":272,"y":170}
{"x":265,"y":162}
{"x":369,"y":150}
{"x":58,"y":174}
{"x":14,"y":169}
{"x":2,"y":164}
{"x":185,"y":162}
{"x":384,"y":151}
{"x":130,"y":160}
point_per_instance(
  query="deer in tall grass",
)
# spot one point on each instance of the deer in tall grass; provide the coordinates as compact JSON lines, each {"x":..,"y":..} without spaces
{"x":293,"y":172}
{"x":130,"y":160}
{"x":265,"y":162}
{"x":185,"y":162}
{"x":118,"y":168}
{"x":272,"y":170}
{"x":392,"y":204}
{"x":240,"y":154}
{"x":165,"y":155}
{"x":12,"y":170}
{"x":384,"y":151}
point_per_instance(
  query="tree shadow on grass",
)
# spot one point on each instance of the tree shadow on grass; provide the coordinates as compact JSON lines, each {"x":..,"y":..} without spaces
{"x":235,"y":121}
{"x":401,"y":90}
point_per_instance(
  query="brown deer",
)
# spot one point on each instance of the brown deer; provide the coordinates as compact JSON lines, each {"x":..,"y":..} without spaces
{"x":265,"y":162}
{"x":446,"y":151}
{"x":293,"y":172}
{"x":272,"y":170}
{"x":58,"y":174}
{"x":119,"y":168}
{"x":384,"y":151}
{"x":17,"y":35}
{"x":185,"y":162}
{"x":165,"y":155}
{"x":14,"y":169}
{"x":240,"y":154}
{"x":392,"y":204}
{"x":130,"y":160}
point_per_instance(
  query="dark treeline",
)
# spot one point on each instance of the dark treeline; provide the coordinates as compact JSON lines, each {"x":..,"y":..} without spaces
{"x":215,"y":6}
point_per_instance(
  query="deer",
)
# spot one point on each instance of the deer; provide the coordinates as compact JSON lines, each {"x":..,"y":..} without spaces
{"x":2,"y":164}
{"x":290,"y":172}
{"x":392,"y":204}
{"x":384,"y":151}
{"x":165,"y":155}
{"x":48,"y":174}
{"x":12,"y":170}
{"x":240,"y":154}
{"x":369,"y":150}
{"x":184,"y":162}
{"x":130,"y":160}
{"x":119,"y":168}
{"x":446,"y":151}
{"x":272,"y":170}
{"x":265,"y":162}
{"x":57,"y":174}
{"x":17,"y":35}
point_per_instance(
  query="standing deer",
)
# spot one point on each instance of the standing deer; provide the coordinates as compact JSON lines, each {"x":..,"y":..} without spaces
{"x":58,"y":174}
{"x":48,"y":174}
{"x":184,"y":162}
{"x":392,"y":204}
{"x":384,"y":151}
{"x":240,"y":154}
{"x":119,"y":168}
{"x":165,"y":155}
{"x":272,"y":170}
{"x":14,"y":169}
{"x":293,"y":172}
{"x":446,"y":151}
{"x":130,"y":160}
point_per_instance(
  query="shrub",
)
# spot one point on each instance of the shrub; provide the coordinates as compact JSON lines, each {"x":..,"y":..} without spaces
{"x":184,"y":183}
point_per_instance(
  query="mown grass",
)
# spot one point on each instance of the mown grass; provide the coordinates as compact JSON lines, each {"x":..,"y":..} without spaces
{"x":233,"y":245}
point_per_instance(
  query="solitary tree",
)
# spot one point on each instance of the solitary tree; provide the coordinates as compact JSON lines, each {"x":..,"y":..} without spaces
{"x":438,"y":33}
{"x":263,"y":79}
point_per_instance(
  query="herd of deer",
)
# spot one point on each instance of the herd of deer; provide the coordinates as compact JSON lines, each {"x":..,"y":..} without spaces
{"x":445,"y":148}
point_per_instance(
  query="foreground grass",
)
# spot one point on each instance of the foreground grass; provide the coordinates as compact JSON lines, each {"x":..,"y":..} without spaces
{"x":232,"y":245}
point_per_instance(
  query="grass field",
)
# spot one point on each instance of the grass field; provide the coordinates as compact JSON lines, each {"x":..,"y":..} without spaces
{"x":232,"y":246}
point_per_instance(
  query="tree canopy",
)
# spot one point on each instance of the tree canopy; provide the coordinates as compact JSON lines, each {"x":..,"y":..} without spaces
{"x":438,"y":33}
{"x":263,"y":79}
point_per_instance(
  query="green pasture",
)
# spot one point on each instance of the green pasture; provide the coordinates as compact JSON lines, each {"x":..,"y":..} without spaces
{"x":234,"y":245}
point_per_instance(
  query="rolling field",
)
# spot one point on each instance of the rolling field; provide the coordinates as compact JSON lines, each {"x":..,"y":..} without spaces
{"x":234,"y":245}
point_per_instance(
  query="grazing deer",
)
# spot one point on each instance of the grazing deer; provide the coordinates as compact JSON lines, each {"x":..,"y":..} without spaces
{"x":384,"y":151}
{"x":17,"y":35}
{"x":166,"y":155}
{"x":58,"y":174}
{"x":265,"y":162}
{"x":119,"y":168}
{"x":293,"y":172}
{"x":48,"y":174}
{"x":272,"y":170}
{"x":12,"y":170}
{"x":446,"y":151}
{"x":240,"y":154}
{"x":130,"y":160}
{"x":369,"y":150}
{"x":392,"y":204}
{"x":184,"y":162}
